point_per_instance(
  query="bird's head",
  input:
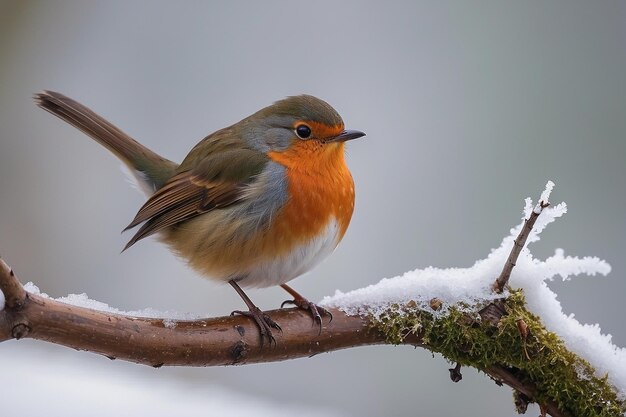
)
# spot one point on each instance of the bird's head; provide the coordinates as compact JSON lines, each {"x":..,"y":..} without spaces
{"x":299,"y":124}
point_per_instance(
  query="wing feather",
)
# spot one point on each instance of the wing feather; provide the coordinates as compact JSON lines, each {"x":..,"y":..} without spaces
{"x":170,"y":218}
{"x":212,"y":184}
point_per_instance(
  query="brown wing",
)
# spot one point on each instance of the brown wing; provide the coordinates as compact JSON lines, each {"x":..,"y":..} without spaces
{"x":217,"y":182}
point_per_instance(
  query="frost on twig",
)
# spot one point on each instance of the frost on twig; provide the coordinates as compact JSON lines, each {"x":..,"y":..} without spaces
{"x":520,"y":241}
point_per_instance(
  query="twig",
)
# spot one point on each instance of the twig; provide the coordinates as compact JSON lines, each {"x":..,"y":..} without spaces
{"x":520,"y":241}
{"x":506,"y":376}
{"x":455,"y":373}
{"x":13,"y":291}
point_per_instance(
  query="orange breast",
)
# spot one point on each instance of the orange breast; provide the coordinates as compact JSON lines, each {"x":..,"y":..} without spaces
{"x":321,"y":190}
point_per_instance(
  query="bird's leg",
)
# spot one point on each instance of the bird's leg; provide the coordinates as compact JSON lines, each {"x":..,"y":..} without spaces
{"x":302,"y":303}
{"x":262,"y":320}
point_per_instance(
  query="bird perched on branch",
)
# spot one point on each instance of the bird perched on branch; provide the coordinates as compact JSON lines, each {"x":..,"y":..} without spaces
{"x":254,"y":204}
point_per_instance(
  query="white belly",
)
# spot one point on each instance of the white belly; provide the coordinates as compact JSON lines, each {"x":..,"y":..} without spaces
{"x":300,"y":260}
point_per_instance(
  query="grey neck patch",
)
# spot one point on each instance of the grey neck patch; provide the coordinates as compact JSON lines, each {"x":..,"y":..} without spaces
{"x":270,"y":191}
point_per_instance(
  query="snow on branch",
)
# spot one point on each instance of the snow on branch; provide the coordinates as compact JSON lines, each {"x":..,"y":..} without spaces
{"x":498,"y":316}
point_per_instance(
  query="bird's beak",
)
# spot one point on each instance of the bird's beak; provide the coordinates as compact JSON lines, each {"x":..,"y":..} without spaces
{"x":346,"y":135}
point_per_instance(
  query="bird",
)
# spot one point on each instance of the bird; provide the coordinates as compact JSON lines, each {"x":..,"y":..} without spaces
{"x":255,"y":204}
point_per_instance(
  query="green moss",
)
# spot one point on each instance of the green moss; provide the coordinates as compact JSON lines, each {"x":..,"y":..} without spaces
{"x":558,"y":374}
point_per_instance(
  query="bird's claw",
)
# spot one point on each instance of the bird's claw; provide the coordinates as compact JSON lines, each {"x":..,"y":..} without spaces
{"x":313,"y":309}
{"x":263,"y":322}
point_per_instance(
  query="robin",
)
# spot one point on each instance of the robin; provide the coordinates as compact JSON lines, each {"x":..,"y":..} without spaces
{"x":254,"y":204}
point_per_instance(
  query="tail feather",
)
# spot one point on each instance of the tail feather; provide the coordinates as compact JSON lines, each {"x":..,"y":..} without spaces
{"x":151,"y":167}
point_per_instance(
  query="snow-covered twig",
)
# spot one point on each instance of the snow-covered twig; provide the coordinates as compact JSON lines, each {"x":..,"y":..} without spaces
{"x":520,"y":241}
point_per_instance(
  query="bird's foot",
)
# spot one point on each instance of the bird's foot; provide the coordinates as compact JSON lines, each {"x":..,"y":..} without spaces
{"x":313,"y":309}
{"x":263,"y":322}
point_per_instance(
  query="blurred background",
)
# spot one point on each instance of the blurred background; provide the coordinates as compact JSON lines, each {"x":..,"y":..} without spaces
{"x":468,"y":108}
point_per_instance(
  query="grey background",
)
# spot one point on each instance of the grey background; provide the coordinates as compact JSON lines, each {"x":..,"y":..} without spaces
{"x":468,"y":108}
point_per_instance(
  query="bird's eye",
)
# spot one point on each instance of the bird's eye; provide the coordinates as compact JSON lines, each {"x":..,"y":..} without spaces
{"x":303,"y":131}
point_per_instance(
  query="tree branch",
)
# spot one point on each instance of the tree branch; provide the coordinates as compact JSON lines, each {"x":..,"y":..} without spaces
{"x":501,"y":339}
{"x":231,"y":340}
{"x":208,"y":342}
